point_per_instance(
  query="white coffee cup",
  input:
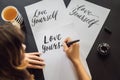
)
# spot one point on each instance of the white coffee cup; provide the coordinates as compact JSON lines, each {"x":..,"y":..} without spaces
{"x":11,"y":14}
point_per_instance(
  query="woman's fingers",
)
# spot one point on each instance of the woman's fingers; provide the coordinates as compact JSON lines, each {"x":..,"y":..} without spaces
{"x":34,"y":60}
{"x":35,"y":66}
{"x":35,"y":53}
{"x":34,"y":57}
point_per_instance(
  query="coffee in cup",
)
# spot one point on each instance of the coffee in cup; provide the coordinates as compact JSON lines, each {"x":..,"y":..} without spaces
{"x":11,"y":14}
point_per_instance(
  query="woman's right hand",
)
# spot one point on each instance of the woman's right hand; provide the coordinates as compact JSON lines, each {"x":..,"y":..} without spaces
{"x":73,"y":51}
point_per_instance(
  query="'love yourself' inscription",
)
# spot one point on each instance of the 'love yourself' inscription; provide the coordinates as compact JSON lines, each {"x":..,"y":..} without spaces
{"x":85,"y":15}
{"x":43,"y":16}
{"x":51,"y":42}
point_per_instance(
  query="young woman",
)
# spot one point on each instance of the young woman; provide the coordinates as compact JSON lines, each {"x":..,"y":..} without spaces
{"x":14,"y":61}
{"x":12,"y":58}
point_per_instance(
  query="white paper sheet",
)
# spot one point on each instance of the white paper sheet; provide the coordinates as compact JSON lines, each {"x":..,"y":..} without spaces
{"x":88,"y":19}
{"x":58,"y":66}
{"x":45,"y":14}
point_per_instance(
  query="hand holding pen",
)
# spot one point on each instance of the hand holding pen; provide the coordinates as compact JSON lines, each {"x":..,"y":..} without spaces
{"x":72,"y":49}
{"x":72,"y":42}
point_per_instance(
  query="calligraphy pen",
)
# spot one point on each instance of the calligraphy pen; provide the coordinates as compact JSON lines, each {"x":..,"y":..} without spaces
{"x":71,"y":42}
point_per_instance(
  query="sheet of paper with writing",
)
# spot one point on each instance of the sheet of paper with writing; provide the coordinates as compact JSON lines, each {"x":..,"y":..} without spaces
{"x":88,"y":19}
{"x":45,"y":14}
{"x":58,"y":66}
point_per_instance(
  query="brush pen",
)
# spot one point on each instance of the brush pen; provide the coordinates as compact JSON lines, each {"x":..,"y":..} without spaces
{"x":71,"y":42}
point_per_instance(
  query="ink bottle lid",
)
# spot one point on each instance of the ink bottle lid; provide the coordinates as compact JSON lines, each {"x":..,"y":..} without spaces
{"x":103,"y":49}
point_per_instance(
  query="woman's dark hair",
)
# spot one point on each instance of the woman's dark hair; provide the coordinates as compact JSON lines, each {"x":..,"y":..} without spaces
{"x":12,"y":63}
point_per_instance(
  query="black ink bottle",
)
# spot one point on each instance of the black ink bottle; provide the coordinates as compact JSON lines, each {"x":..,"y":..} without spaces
{"x":103,"y":49}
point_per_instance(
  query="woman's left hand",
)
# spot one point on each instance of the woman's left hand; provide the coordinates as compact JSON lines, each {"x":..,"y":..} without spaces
{"x":34,"y":60}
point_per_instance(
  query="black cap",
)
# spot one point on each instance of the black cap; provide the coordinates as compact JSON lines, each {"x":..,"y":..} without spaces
{"x":103,"y":49}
